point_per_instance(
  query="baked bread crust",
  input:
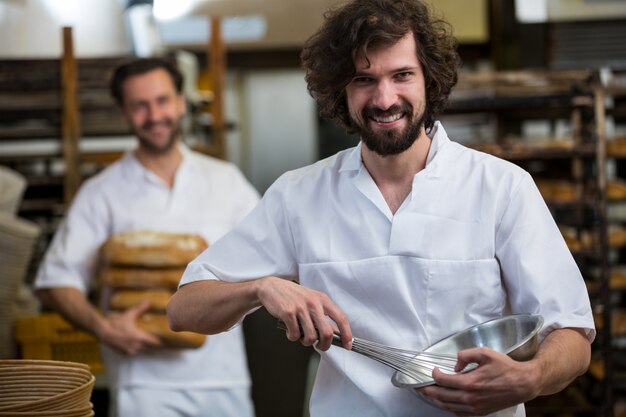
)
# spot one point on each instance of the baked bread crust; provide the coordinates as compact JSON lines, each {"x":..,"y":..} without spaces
{"x":616,"y":147}
{"x":125,"y":299}
{"x":557,"y":190}
{"x":616,"y":190}
{"x":133,"y":277}
{"x":147,"y":265}
{"x":150,"y":248}
{"x":157,"y":325}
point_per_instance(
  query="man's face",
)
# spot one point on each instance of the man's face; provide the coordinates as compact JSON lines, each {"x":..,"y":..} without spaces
{"x":154,"y":109}
{"x":386,"y":98}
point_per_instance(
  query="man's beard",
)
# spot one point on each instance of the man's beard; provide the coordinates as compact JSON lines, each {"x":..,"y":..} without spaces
{"x":389,"y":141}
{"x":154,"y":148}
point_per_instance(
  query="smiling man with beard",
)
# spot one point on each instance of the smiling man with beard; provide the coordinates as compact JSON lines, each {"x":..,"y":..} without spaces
{"x":404,"y":239}
{"x":164,"y":186}
{"x":388,"y":114}
{"x":152,"y":106}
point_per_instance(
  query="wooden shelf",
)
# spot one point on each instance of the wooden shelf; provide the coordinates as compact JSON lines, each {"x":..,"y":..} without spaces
{"x":520,"y":152}
{"x":50,"y":106}
{"x":501,"y":103}
{"x":9,"y":133}
{"x":551,"y":93}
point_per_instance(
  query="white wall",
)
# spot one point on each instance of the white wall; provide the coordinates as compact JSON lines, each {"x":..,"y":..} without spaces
{"x":275,"y":118}
{"x":279,"y":125}
{"x":32,"y":28}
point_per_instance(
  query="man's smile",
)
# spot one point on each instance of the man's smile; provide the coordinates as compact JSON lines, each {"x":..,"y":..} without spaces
{"x":384,"y":119}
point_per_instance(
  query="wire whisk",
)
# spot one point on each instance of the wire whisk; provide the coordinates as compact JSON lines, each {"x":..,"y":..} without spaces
{"x":418,"y":365}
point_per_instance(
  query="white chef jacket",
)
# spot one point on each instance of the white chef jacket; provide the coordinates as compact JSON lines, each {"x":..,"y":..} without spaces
{"x":473,"y":241}
{"x":209,"y":196}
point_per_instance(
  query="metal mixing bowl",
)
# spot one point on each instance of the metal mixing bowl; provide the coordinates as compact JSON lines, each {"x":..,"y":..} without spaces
{"x":514,"y":335}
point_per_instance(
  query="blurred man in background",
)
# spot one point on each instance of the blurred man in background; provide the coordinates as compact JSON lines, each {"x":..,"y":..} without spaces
{"x":162,"y":185}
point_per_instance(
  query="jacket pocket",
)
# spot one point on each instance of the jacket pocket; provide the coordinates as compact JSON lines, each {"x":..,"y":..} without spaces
{"x":460,"y":294}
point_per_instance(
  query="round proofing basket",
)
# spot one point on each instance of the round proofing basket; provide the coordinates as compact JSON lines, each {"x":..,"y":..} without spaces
{"x":49,"y":398}
{"x":41,"y":362}
{"x":78,"y":412}
{"x":38,"y":386}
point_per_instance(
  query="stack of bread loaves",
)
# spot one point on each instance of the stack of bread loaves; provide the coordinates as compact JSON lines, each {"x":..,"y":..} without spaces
{"x":147,"y":265}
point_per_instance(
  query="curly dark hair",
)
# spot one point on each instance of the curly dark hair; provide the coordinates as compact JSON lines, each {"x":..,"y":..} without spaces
{"x":329,"y":55}
{"x":141,"y":66}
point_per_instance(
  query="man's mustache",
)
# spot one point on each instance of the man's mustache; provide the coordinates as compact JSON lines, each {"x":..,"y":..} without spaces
{"x":395,"y":109}
{"x":150,"y":125}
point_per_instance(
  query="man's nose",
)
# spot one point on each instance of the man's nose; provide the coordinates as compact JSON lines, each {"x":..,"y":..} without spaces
{"x":154,"y":112}
{"x":385,"y":95}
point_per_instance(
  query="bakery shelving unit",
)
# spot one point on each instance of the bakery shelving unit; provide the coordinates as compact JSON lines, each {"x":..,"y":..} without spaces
{"x":37,"y":103}
{"x":58,"y":122}
{"x":46,"y":107}
{"x":547,"y":122}
{"x":614,"y":83}
{"x":208,"y":127}
{"x":216,"y":65}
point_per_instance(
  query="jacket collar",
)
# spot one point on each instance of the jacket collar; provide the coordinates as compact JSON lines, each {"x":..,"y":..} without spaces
{"x":435,"y":162}
{"x":134,"y":168}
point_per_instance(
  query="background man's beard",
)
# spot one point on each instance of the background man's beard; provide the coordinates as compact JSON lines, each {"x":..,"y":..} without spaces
{"x":391,"y":141}
{"x":160,"y":149}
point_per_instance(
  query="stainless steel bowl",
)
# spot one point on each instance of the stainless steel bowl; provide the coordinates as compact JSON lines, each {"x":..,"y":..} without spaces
{"x":514,"y":335}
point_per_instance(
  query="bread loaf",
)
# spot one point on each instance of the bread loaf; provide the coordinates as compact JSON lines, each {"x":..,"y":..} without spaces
{"x":572,"y":240}
{"x":617,"y":236}
{"x":557,"y":190}
{"x":616,"y":147}
{"x":149,"y":248}
{"x":553,"y":144}
{"x":147,"y":265}
{"x":157,"y":325}
{"x":616,"y":190}
{"x":125,"y":299}
{"x":617,"y":280}
{"x":618,"y":321}
{"x":132,"y":277}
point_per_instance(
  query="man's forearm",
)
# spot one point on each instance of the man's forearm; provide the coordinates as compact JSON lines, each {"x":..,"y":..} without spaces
{"x":74,"y":306}
{"x":211,"y":307}
{"x":564,"y":355}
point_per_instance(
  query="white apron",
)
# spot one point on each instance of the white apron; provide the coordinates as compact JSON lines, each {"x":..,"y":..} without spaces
{"x":404,"y":302}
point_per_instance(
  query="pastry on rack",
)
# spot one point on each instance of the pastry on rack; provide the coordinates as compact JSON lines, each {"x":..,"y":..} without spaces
{"x":617,"y":236}
{"x":616,"y":190}
{"x":576,"y":241}
{"x":561,"y":191}
{"x":616,"y":148}
{"x":618,"y":322}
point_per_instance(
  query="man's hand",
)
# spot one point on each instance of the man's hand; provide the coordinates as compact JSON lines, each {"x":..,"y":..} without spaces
{"x":121,"y":332}
{"x":304,"y":311}
{"x":117,"y":330}
{"x":211,"y":307}
{"x":499,"y":382}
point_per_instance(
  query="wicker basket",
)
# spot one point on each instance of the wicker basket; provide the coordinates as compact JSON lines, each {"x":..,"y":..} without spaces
{"x":45,"y":388}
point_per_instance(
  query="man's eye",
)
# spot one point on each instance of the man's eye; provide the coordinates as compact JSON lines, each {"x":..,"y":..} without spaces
{"x":362,"y":80}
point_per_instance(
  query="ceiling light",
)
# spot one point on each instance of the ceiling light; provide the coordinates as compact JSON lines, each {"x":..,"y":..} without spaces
{"x":171,"y":9}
